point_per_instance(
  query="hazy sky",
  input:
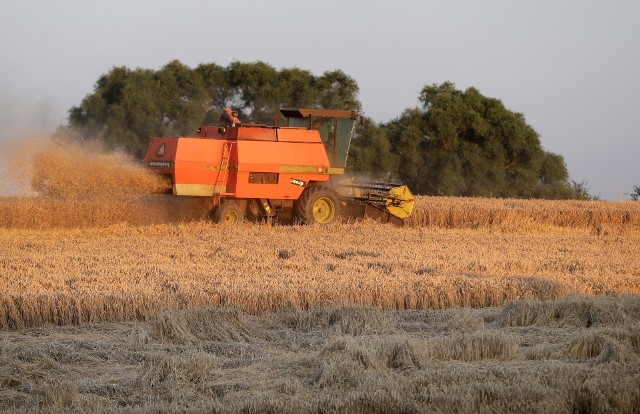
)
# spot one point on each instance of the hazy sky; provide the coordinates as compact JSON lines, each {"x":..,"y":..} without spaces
{"x":571,"y":67}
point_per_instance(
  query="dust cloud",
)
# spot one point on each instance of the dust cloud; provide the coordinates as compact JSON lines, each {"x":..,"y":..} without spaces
{"x":53,"y":181}
{"x":61,"y":167}
{"x":68,"y":168}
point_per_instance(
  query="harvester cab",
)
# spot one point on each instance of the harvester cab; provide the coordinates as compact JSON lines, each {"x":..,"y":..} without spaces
{"x":294,"y":172}
{"x":335,"y":128}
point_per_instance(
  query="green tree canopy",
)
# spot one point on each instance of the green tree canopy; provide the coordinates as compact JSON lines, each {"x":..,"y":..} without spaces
{"x":129,"y":106}
{"x":464,"y":144}
{"x":371,"y":154}
{"x":458,"y":143}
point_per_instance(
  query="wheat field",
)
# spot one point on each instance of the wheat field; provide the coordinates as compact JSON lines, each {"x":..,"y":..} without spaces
{"x":355,"y":317}
{"x":133,"y":273}
{"x":117,"y":300}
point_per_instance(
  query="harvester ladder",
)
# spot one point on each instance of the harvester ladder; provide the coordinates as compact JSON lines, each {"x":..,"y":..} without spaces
{"x":223,"y":169}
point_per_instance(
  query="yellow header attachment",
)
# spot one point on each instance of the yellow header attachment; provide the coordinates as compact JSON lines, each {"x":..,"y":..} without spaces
{"x":383,"y":202}
{"x":400,"y":202}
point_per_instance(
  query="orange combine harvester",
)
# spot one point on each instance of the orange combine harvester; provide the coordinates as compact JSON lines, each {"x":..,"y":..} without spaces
{"x":293,"y":172}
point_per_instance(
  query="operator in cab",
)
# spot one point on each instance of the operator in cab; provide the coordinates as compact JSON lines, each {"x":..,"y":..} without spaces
{"x":229,"y":117}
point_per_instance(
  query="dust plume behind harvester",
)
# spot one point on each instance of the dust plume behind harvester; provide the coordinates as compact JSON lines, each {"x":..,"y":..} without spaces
{"x":292,"y":173}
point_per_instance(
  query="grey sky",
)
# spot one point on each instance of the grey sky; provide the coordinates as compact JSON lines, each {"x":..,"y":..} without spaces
{"x":571,"y":67}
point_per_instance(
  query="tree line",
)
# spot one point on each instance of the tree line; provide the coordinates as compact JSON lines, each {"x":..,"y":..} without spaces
{"x":456,"y":143}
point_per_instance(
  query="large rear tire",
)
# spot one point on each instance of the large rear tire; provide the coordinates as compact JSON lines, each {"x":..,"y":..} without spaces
{"x":229,"y":213}
{"x":318,"y":205}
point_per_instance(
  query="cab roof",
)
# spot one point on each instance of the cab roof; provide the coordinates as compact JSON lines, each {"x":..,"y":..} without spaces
{"x":326,"y":113}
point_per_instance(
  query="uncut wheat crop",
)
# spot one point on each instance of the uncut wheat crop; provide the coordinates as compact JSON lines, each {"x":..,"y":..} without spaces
{"x":125,"y":273}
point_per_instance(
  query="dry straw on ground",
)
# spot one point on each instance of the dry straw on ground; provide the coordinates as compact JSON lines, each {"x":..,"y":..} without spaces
{"x":532,"y":356}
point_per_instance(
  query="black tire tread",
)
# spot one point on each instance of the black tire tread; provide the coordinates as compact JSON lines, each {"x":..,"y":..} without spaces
{"x":304,"y":211}
{"x":221,"y":210}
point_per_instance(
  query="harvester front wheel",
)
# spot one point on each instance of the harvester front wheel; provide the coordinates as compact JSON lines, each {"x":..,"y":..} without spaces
{"x":228,"y":213}
{"x":318,"y":205}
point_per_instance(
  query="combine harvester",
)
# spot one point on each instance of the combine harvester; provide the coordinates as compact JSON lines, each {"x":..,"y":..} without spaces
{"x":293,"y":173}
